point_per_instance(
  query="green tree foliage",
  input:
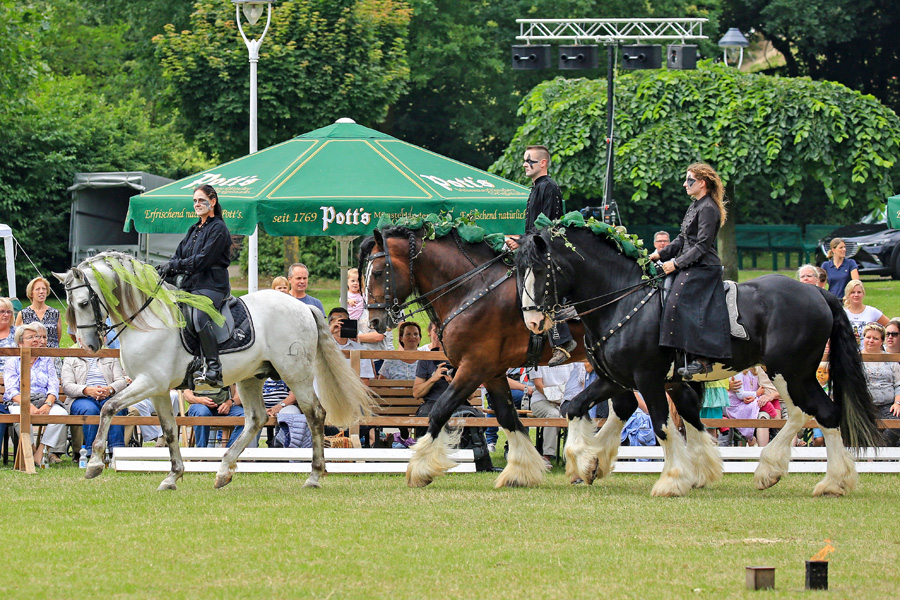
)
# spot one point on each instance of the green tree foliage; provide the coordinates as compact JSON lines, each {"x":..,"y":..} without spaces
{"x":463,"y":92}
{"x":321,"y":60}
{"x":61,"y":128}
{"x":19,"y":60}
{"x":853,"y":42}
{"x":779,"y":141}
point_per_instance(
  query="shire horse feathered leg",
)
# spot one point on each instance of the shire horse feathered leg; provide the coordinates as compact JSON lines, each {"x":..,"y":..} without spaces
{"x":591,"y":454}
{"x":701,"y":447}
{"x":678,"y":475}
{"x":524,"y":466}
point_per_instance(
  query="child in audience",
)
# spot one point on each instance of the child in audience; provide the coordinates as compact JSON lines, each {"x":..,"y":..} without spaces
{"x":355,"y":302}
{"x":743,"y":402}
{"x":281,"y":284}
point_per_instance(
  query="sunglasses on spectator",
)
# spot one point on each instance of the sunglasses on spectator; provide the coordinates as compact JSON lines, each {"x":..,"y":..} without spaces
{"x":892,"y":333}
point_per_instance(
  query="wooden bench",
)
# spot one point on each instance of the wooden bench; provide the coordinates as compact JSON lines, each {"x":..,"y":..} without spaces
{"x":280,"y":460}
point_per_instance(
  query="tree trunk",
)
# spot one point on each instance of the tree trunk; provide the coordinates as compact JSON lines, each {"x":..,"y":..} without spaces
{"x":728,"y":238}
{"x":291,"y":251}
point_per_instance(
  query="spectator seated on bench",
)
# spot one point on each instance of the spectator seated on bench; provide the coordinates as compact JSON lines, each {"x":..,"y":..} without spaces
{"x":88,"y":383}
{"x":44,"y":387}
{"x":220,"y":403}
{"x":549,"y":391}
{"x":638,"y":430}
{"x":409,"y":334}
{"x":7,"y":340}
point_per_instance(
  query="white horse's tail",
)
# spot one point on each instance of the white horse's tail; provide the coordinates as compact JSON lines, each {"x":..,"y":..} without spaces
{"x":342,"y":393}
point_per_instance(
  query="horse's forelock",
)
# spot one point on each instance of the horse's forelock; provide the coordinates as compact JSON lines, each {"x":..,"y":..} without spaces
{"x":528,"y":255}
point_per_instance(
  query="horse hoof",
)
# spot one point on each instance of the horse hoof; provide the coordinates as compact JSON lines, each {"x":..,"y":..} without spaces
{"x":164,"y":486}
{"x":765,"y":482}
{"x":222,"y":481}
{"x":669,"y":487}
{"x":829,"y":490}
{"x":92,"y":472}
{"x":312,"y":484}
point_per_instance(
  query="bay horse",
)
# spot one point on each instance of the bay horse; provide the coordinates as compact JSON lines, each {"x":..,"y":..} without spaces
{"x":292,"y":343}
{"x":469,"y":290}
{"x":788,"y":323}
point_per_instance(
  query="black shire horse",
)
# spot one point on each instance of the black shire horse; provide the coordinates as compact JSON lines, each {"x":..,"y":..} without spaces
{"x":788,"y":323}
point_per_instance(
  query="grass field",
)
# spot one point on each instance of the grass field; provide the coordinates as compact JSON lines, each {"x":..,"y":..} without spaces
{"x":372,"y":537}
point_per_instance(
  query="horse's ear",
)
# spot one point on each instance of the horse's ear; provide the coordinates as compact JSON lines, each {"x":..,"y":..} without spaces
{"x":379,"y":239}
{"x":60,"y":276}
{"x":540,"y":244}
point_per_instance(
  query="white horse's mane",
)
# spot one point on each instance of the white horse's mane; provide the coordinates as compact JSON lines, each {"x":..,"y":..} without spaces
{"x":130,"y":298}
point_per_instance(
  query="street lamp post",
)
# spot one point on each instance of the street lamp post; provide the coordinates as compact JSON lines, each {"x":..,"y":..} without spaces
{"x":253,"y":10}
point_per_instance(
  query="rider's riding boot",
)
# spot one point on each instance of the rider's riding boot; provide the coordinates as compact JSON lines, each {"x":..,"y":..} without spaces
{"x":562,"y":353}
{"x":698,"y":366}
{"x":212,"y":372}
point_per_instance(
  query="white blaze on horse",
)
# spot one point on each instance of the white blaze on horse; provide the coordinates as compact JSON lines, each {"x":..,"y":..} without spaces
{"x":292,"y":343}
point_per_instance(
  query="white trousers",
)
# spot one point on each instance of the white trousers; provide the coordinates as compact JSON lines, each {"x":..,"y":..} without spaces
{"x":53,"y":433}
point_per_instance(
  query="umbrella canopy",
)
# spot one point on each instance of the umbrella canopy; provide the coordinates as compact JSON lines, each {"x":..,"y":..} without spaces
{"x":336,"y":181}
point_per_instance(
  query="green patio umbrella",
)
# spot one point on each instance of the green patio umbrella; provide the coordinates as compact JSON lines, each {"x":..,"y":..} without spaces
{"x":336,"y":181}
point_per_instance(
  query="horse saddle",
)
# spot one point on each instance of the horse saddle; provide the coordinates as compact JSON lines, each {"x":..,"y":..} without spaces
{"x":731,"y":302}
{"x":235,"y":335}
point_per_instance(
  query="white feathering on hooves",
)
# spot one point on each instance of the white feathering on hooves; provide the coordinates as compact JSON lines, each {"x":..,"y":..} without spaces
{"x":524,"y":467}
{"x":704,"y":455}
{"x":431,"y":458}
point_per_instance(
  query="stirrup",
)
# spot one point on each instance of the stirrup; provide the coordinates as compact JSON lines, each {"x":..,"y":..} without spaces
{"x":698,"y":366}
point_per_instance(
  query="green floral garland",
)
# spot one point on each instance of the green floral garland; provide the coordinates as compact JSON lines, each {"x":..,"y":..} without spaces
{"x":439,"y":225}
{"x":627,"y":243}
{"x":145,"y":278}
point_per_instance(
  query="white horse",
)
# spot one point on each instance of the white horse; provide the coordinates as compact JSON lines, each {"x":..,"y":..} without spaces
{"x":293,"y":343}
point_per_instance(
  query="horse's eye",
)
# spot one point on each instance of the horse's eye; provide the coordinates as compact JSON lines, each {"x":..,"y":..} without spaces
{"x":377,"y":274}
{"x":83,"y":304}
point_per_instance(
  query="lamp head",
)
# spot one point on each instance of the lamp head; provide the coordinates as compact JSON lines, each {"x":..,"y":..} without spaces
{"x":733,"y":38}
{"x":253,"y":9}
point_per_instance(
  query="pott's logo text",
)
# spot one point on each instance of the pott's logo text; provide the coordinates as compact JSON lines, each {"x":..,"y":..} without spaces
{"x":460,"y":183}
{"x":216,"y":180}
{"x":351,"y":217}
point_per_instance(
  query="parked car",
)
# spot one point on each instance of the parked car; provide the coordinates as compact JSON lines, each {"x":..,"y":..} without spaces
{"x":871,"y":243}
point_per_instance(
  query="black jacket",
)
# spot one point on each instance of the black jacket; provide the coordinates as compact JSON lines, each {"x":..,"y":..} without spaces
{"x":696,"y":244}
{"x":545,"y":198}
{"x":204,"y":255}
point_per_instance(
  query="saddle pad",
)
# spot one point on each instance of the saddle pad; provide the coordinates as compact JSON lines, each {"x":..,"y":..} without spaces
{"x":241,"y":338}
{"x":737,"y":330}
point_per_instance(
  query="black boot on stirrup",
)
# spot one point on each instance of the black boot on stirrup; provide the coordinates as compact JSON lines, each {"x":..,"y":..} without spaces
{"x":212,"y":372}
{"x":698,"y":366}
{"x":562,"y":353}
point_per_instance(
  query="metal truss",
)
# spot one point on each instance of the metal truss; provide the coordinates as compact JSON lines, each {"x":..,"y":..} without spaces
{"x":610,"y":31}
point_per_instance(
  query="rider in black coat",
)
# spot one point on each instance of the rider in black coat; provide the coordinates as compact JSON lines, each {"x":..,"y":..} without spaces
{"x":545,"y":198}
{"x":695,"y":318}
{"x":203,"y":256}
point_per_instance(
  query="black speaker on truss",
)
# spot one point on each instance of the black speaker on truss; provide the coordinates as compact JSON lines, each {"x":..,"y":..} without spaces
{"x":681,"y":57}
{"x":578,"y":57}
{"x":641,"y":57}
{"x":531,"y":57}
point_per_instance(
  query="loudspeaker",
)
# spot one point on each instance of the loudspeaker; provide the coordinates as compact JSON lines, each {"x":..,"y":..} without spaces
{"x":641,"y":57}
{"x":531,"y":57}
{"x":681,"y":57}
{"x":578,"y":57}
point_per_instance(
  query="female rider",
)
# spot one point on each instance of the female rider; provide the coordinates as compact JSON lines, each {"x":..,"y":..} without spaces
{"x":695,"y":319}
{"x":204,"y":256}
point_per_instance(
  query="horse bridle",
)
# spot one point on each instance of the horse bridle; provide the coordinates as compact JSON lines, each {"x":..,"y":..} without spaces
{"x":550,"y":310}
{"x":395,"y":308}
{"x":96,"y":302}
